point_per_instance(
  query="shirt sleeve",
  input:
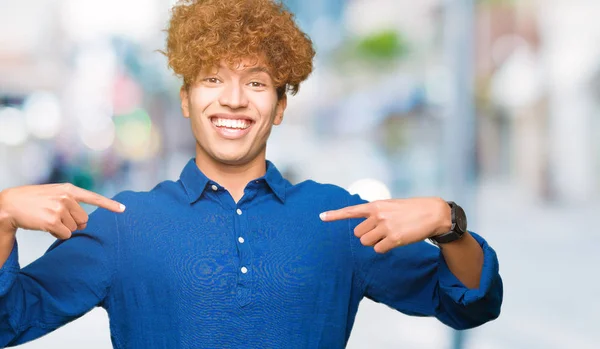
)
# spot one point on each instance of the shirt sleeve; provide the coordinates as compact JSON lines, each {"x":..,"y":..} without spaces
{"x":69,"y":280}
{"x":9,"y":270}
{"x":415,"y":280}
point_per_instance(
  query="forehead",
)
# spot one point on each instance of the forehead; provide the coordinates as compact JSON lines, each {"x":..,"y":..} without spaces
{"x":242,"y":66}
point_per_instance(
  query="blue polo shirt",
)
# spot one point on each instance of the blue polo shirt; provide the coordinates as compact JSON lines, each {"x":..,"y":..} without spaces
{"x":187,"y":267}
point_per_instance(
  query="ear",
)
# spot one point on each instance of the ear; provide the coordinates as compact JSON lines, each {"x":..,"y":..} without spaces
{"x":185,"y":102}
{"x":279,"y":109}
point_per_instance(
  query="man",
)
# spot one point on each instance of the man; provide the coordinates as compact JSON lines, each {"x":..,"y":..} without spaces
{"x":232,"y":255}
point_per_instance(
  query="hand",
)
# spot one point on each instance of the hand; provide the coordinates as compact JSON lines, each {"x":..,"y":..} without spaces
{"x":396,"y":222}
{"x":53,"y":208}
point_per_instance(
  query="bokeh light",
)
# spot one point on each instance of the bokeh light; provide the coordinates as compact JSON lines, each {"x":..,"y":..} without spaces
{"x":43,"y":115}
{"x":137,"y":139}
{"x":101,"y":136}
{"x":370,"y":189}
{"x":13,"y":130}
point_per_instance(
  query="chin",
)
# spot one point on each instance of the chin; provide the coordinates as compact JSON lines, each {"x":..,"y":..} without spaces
{"x":232,"y":159}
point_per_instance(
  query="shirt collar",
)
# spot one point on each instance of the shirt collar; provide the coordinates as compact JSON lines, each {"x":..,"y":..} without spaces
{"x":195,"y":182}
{"x":275,"y":180}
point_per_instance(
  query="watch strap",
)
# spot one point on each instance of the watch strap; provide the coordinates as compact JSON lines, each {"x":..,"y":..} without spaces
{"x":455,"y":232}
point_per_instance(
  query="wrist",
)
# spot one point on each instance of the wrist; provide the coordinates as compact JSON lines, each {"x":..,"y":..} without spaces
{"x":7,"y":239}
{"x":7,"y":227}
{"x":458,"y":225}
{"x":444,"y":221}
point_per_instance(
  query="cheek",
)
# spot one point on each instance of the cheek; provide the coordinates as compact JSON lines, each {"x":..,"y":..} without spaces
{"x":202,"y":99}
{"x":266,"y":106}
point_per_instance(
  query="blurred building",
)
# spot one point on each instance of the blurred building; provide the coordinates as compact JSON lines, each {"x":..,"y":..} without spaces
{"x":537,"y":66}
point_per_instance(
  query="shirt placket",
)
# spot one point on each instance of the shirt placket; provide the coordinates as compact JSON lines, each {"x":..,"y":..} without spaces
{"x":245,"y":270}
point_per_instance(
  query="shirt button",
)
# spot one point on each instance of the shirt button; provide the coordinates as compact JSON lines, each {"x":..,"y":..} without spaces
{"x":244,"y":270}
{"x":239,"y":212}
{"x":241,"y":240}
{"x":214,"y":187}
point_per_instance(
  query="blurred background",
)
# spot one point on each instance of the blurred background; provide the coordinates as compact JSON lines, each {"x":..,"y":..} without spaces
{"x":492,"y":103}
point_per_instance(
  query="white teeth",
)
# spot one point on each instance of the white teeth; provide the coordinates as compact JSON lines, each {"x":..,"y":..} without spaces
{"x":231,"y":123}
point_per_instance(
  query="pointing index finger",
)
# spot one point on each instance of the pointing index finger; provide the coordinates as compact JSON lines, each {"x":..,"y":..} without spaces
{"x":357,"y":211}
{"x":89,"y":197}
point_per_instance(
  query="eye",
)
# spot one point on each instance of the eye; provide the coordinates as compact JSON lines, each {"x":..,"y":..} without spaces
{"x":257,"y":84}
{"x":212,"y":80}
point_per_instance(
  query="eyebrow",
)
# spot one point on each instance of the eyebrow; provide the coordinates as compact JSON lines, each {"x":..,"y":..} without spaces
{"x":257,"y":70}
{"x":253,"y":70}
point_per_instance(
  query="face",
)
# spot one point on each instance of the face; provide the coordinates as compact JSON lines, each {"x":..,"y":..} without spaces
{"x":232,"y":111}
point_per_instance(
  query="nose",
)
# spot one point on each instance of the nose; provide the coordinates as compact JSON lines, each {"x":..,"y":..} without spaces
{"x":233,"y":96}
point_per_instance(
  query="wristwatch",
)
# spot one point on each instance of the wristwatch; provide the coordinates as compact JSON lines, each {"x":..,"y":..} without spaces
{"x":459,"y":226}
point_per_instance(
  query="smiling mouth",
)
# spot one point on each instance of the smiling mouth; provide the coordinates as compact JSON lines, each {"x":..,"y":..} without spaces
{"x":233,"y":124}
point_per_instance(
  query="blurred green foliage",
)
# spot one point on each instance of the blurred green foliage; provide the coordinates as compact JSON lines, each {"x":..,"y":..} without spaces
{"x":379,"y":50}
{"x":383,"y":45}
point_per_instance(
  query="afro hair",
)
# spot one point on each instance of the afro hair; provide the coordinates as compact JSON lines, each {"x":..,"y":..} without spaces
{"x":204,"y":33}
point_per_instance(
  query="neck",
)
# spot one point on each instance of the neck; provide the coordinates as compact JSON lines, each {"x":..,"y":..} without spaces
{"x":233,"y":177}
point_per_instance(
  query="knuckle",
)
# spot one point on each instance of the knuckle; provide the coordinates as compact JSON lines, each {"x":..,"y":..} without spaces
{"x":61,"y":209}
{"x":54,"y":221}
{"x":398,"y":239}
{"x":81,"y":218}
{"x":381,"y":216}
{"x":67,"y":187}
{"x":56,"y":208}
